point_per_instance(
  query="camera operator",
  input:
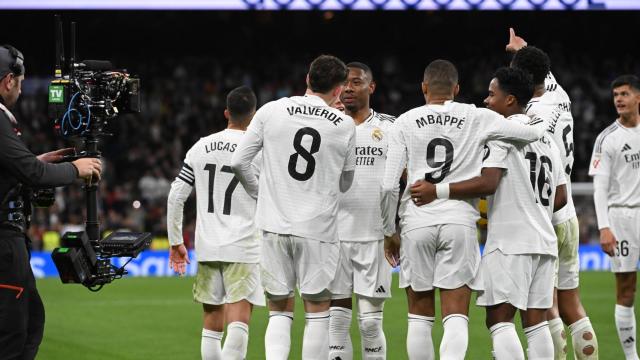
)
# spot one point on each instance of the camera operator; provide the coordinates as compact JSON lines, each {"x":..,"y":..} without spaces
{"x":21,"y":172}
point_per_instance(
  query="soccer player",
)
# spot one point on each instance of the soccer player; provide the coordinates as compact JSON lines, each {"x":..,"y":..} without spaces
{"x":363,"y":269}
{"x":615,"y":167}
{"x":439,"y":248}
{"x":516,"y":271}
{"x":552,"y":104}
{"x":228,"y":277}
{"x":309,"y":158}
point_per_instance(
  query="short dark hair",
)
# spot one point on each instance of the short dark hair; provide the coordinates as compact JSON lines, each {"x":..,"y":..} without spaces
{"x":362,"y":66}
{"x":516,"y":82}
{"x":326,"y":72}
{"x":441,"y":75}
{"x":534,"y":61}
{"x":627,"y":79}
{"x":241,"y":102}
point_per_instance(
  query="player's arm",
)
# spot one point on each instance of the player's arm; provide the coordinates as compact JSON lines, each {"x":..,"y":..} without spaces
{"x":423,"y":192}
{"x":600,"y":169}
{"x":394,"y":166}
{"x":493,"y":166}
{"x":242,"y":159}
{"x":349,"y":168}
{"x":180,"y":191}
{"x":516,"y":43}
{"x":561,"y":197}
{"x":498,"y":128}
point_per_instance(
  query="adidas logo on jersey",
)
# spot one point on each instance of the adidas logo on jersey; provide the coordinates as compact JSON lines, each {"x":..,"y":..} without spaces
{"x":381,"y":290}
{"x":626,"y":147}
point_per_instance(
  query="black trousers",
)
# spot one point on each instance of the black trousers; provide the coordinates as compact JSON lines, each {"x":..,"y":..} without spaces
{"x":21,"y":309}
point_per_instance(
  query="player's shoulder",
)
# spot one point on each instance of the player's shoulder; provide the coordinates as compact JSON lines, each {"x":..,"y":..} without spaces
{"x":384,"y":118}
{"x":605,"y":137}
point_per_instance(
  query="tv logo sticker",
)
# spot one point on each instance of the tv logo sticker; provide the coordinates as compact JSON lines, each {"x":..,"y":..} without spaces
{"x":56,"y":94}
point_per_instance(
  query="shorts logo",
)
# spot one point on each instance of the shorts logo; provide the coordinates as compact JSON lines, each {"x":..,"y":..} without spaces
{"x":380,"y":290}
{"x":376,"y":134}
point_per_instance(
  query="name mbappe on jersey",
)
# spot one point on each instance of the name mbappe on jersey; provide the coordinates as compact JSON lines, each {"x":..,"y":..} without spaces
{"x":439,"y":119}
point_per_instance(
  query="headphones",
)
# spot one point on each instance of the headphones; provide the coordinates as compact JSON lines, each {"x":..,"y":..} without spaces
{"x":17,"y":67}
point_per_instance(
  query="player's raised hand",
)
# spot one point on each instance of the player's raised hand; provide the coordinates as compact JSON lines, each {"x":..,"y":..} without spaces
{"x":607,"y":241}
{"x":178,"y":259}
{"x":515,"y":42}
{"x":392,"y":249}
{"x":422,"y":192}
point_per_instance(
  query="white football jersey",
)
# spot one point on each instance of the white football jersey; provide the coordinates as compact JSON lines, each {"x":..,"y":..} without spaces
{"x":225,"y":229}
{"x":616,"y":154}
{"x":554,"y":107}
{"x":306,"y":146}
{"x":359,"y":215}
{"x":444,"y":144}
{"x":520,"y":211}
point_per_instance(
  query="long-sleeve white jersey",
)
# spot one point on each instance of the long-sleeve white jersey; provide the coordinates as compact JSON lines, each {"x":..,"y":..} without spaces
{"x":360,"y":215}
{"x":520,"y":211}
{"x":225,"y":229}
{"x":554,"y":108}
{"x":616,"y":155}
{"x":444,"y":143}
{"x":306,"y":146}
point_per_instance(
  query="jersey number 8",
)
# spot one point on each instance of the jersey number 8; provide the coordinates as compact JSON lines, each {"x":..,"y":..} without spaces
{"x":307,"y":155}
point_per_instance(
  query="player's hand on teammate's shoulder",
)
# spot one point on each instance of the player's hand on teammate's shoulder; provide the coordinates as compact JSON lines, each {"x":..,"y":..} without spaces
{"x":392,"y":249}
{"x":422,"y":192}
{"x":607,"y":241}
{"x":179,"y":258}
{"x":515,"y":42}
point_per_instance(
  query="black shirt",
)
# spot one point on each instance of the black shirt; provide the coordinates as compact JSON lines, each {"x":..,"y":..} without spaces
{"x":19,"y":165}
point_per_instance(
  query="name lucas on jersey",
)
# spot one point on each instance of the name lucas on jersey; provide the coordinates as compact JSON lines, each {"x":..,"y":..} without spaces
{"x":315,"y":111}
{"x":440,"y":120}
{"x":366,"y":155}
{"x":220,"y":146}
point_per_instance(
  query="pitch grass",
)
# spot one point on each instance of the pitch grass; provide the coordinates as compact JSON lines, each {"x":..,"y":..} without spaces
{"x":155,"y":318}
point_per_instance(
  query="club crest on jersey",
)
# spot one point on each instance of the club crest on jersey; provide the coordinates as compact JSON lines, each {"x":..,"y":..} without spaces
{"x":376,"y":134}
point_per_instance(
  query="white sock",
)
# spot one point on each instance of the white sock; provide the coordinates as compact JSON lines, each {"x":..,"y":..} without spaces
{"x":374,"y":343}
{"x":277,"y":339}
{"x":419,"y":342}
{"x":506,"y":345}
{"x":315,"y":342}
{"x":235,"y":344}
{"x":626,"y":326}
{"x":455,"y":338}
{"x":340,"y":346}
{"x":540,"y":344}
{"x":585,"y":343}
{"x":559,"y":337}
{"x":210,"y":345}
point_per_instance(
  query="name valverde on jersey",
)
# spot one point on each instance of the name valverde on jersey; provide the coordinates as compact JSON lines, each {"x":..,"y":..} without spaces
{"x":306,"y":146}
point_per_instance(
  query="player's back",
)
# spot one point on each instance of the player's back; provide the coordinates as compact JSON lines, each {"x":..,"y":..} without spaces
{"x":521,"y":209}
{"x":554,"y":107}
{"x":305,"y":149}
{"x":225,"y":229}
{"x":444,"y":143}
